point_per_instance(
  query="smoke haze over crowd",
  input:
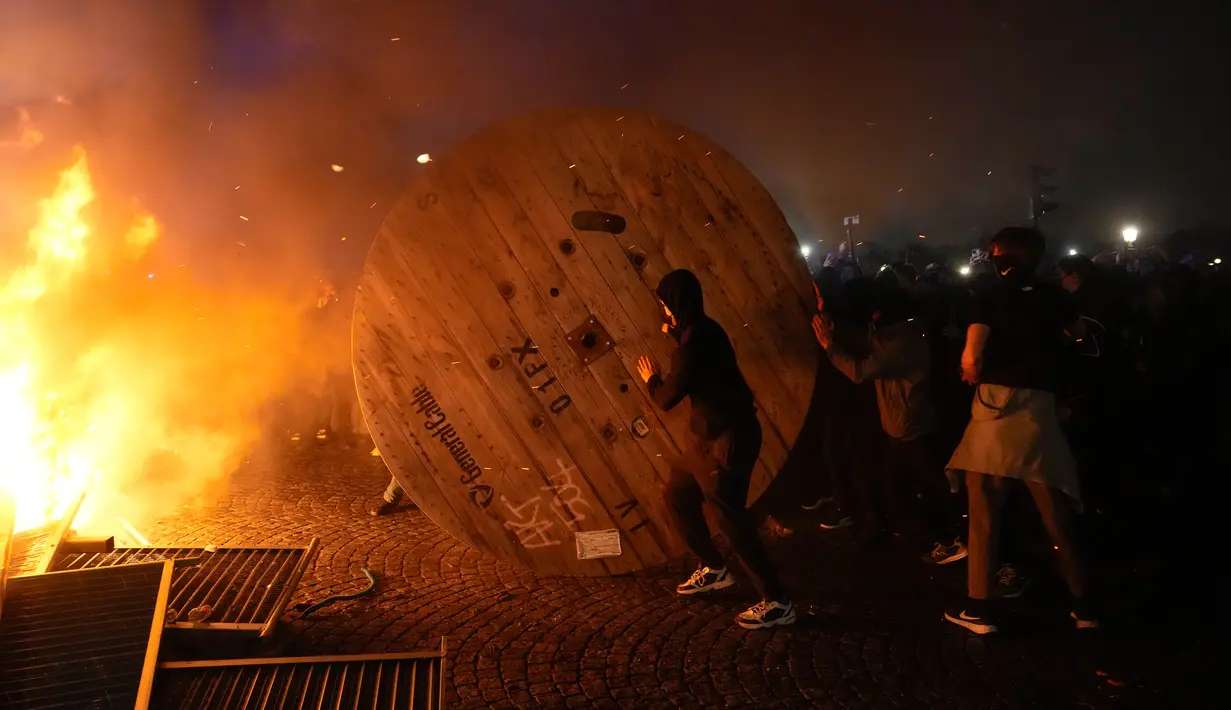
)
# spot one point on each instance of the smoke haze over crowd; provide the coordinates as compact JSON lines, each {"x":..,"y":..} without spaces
{"x":836,"y":109}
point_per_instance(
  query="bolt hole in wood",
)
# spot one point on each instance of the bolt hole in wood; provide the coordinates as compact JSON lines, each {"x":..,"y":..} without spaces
{"x":537,"y":423}
{"x":624,"y":387}
{"x":591,"y":221}
{"x":567,"y":247}
{"x":507,"y":290}
{"x":638,"y":260}
{"x":609,"y":433}
{"x":555,"y":292}
{"x":589,"y":340}
{"x":495,"y":362}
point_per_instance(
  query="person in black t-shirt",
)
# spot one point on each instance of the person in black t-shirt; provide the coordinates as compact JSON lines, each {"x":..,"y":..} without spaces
{"x":1013,"y":350}
{"x":1028,"y":319}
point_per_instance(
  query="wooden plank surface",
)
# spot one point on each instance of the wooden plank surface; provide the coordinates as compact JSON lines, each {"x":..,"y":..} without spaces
{"x":479,"y":402}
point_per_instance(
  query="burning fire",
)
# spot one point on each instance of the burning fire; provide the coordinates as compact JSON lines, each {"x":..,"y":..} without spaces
{"x":43,"y":473}
{"x":142,"y":391}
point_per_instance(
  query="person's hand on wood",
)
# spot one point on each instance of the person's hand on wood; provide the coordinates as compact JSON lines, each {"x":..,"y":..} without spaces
{"x":646,"y":368}
{"x":820,"y":329}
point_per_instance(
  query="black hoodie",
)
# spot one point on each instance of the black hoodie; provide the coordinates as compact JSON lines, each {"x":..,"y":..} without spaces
{"x":703,"y":368}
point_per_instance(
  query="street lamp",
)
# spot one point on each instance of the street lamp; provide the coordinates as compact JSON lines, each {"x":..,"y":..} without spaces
{"x":1129,"y":234}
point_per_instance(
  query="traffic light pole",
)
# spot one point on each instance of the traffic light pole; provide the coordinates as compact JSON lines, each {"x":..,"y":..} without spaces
{"x":1039,"y":191}
{"x":849,"y":222}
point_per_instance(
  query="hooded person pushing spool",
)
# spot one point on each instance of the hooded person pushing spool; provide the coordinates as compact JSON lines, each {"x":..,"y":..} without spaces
{"x":506,"y":302}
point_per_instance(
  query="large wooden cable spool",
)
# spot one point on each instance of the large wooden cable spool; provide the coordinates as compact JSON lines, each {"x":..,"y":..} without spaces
{"x":506,"y":300}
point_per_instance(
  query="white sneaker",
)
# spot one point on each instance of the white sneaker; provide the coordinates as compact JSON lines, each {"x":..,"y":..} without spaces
{"x":763,"y":615}
{"x":706,"y":580}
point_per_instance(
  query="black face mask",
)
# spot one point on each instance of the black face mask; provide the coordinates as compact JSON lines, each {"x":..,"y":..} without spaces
{"x":1009,"y":268}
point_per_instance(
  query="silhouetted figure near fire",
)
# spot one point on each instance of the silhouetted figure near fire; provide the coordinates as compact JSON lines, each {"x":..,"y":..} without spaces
{"x":335,"y":417}
{"x":727,"y":443}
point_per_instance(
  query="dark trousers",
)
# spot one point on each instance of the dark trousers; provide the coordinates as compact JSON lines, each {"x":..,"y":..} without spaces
{"x":987,"y":498}
{"x":700,"y":476}
{"x":917,"y":490}
{"x":847,"y":451}
{"x":340,"y":406}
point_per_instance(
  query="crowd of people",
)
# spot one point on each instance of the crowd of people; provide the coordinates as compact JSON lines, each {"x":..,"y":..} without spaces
{"x":951,"y":395}
{"x":948,"y":399}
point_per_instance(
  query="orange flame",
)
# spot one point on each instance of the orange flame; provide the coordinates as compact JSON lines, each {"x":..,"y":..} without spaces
{"x":142,"y":392}
{"x":39,"y":477}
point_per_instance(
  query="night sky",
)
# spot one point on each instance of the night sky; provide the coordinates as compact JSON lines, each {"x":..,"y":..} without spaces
{"x":896,"y":111}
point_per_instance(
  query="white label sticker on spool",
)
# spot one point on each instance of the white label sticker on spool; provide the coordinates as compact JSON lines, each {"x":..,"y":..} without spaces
{"x":598,"y":543}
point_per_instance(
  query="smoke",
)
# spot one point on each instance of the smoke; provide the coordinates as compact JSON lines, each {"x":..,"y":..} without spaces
{"x":222,"y":119}
{"x":180,"y":224}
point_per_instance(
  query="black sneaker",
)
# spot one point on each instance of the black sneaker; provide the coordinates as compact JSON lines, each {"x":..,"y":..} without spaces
{"x":385,"y":508}
{"x":823,"y":500}
{"x":706,"y":580}
{"x":763,"y":615}
{"x":978,"y":623}
{"x":1083,"y":615}
{"x":835,"y":519}
{"x":943,"y":554}
{"x":1010,"y":584}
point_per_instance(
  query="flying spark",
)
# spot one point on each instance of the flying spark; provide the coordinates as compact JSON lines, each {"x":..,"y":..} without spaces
{"x":243,"y":218}
{"x":337,"y":168}
{"x":424,"y":159}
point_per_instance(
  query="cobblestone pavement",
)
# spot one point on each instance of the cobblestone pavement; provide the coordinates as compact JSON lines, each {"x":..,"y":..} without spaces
{"x":869,"y":635}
